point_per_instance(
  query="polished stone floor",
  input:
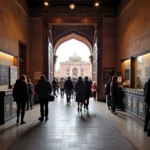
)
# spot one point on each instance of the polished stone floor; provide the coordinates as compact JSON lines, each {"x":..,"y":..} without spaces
{"x":66,"y":129}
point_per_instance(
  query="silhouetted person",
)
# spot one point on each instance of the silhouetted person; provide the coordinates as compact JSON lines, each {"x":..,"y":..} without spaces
{"x":31,"y":93}
{"x":107,"y":93}
{"x":68,"y":89}
{"x":88,"y":92}
{"x":43,"y":89}
{"x":21,"y":96}
{"x":54,"y":86}
{"x":114,"y":93}
{"x":73,"y":91}
{"x":62,"y":86}
{"x":80,"y":89}
{"x":147,"y":107}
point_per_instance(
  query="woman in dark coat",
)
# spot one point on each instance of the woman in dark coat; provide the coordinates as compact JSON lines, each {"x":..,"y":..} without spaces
{"x":80,"y":89}
{"x":21,"y":96}
{"x":114,"y":93}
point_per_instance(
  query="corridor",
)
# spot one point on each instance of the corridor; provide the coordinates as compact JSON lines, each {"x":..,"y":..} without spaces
{"x":67,"y":129}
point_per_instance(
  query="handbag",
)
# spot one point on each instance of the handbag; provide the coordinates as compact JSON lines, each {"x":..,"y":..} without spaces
{"x":51,"y":98}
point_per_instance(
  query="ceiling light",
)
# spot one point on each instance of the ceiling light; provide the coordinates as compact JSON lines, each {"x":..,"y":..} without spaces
{"x":46,"y":3}
{"x":72,"y":6}
{"x":96,"y":4}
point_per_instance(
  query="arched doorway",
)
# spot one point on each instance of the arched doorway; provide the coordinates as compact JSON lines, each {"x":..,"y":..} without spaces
{"x":75,"y":72}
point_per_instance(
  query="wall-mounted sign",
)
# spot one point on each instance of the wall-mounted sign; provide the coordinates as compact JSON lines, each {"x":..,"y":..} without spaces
{"x":37,"y":75}
{"x":13,"y":75}
{"x":4,"y":75}
{"x":127,"y":74}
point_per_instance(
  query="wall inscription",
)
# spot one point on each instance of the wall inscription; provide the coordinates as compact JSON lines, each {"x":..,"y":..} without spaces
{"x":4,"y":75}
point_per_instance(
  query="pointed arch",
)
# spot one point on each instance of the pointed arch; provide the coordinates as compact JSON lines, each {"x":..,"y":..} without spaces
{"x":72,"y":36}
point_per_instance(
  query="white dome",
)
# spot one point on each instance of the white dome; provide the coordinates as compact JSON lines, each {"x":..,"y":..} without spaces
{"x":75,"y":57}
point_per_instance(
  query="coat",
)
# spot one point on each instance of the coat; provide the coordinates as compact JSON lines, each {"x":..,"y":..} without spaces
{"x":114,"y":89}
{"x":88,"y":85}
{"x":20,"y":91}
{"x":43,"y":89}
{"x":80,"y":89}
{"x":147,"y":93}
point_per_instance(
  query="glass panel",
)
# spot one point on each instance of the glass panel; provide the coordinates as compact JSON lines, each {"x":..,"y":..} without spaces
{"x":142,"y":70}
{"x":127,"y":72}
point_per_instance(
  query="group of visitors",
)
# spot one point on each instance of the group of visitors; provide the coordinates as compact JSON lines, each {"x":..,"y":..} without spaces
{"x":24,"y":90}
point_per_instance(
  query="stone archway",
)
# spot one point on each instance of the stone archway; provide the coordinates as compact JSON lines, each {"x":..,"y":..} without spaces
{"x":72,"y":36}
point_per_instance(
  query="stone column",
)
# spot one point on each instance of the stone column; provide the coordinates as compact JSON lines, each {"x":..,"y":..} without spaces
{"x":99,"y":61}
{"x":55,"y":60}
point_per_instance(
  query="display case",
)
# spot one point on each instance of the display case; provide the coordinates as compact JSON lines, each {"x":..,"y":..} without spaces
{"x":7,"y":106}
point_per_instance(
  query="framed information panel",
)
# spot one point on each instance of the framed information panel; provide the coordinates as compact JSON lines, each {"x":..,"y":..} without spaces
{"x":4,"y":75}
{"x":13,"y":74}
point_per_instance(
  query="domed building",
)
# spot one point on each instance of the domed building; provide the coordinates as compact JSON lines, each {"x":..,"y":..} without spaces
{"x":74,"y":68}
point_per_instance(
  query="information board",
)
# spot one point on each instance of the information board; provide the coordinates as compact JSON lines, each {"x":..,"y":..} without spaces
{"x":13,"y":75}
{"x":4,"y":75}
{"x":127,"y":74}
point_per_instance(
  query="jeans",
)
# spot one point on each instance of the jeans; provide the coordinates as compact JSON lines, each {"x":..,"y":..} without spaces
{"x":62,"y":92}
{"x":113,"y":103}
{"x":68,"y":95}
{"x":29,"y":102}
{"x":108,"y":100}
{"x":44,"y":108}
{"x":21,"y":107}
{"x":86,"y":102}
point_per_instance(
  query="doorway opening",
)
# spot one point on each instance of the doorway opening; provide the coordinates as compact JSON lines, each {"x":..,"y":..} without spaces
{"x":73,"y":59}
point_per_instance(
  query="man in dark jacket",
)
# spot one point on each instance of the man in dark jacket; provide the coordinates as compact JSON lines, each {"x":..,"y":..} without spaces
{"x":21,"y":96}
{"x":88,"y":85}
{"x":107,"y":93}
{"x":68,"y":89}
{"x":147,"y":107}
{"x":43,"y":89}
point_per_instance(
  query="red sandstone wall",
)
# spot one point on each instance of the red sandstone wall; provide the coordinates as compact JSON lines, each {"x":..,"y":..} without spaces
{"x":133,"y":30}
{"x":14,"y":26}
{"x":36,"y":53}
{"x":109,"y":42}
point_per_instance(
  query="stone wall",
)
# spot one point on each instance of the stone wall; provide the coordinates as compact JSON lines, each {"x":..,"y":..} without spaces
{"x":133,"y":30}
{"x":36,"y":53}
{"x":14,"y":26}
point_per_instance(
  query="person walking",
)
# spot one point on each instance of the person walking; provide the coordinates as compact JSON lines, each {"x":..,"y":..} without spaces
{"x":21,"y":96}
{"x":94,"y":89}
{"x":31,"y":94}
{"x":62,"y":85}
{"x":73,"y":91}
{"x":80,"y":89}
{"x":54,"y":86}
{"x":147,"y":107}
{"x":107,"y":93}
{"x":68,"y":89}
{"x":43,"y":89}
{"x":88,"y":92}
{"x":114,"y":93}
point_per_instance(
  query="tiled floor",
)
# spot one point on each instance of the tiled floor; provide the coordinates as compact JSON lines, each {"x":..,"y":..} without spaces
{"x":67,"y":129}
